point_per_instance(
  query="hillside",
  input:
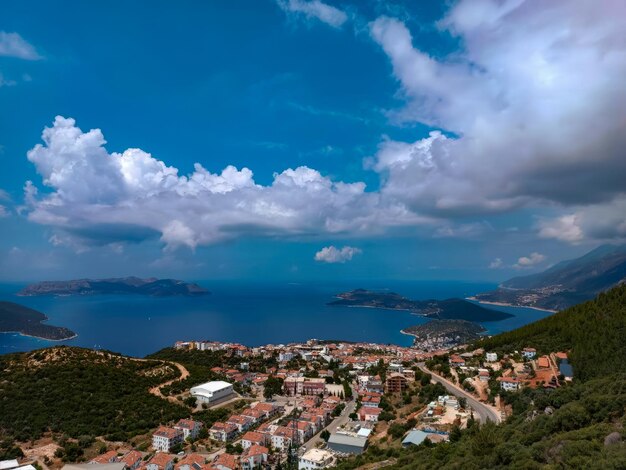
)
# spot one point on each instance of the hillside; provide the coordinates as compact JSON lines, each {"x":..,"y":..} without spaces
{"x":594,"y":331}
{"x":126,"y":285}
{"x":27,"y":321}
{"x":564,"y":428}
{"x":566,"y":283}
{"x":81,"y":392}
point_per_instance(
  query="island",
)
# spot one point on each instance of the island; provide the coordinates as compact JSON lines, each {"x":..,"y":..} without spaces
{"x":16,"y":318}
{"x":449,"y":309}
{"x":444,"y":334}
{"x":127,"y":285}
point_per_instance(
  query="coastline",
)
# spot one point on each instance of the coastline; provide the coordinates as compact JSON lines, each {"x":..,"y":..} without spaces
{"x":39,"y":337}
{"x":504,"y":304}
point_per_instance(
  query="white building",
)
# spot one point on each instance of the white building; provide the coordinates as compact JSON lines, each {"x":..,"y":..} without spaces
{"x":189,"y":427}
{"x":529,"y":353}
{"x":165,"y":438}
{"x":491,"y":357}
{"x":211,"y":392}
{"x":316,"y":458}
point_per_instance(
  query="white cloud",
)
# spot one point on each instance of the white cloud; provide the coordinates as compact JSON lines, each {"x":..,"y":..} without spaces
{"x":331,"y":254}
{"x":13,"y":45}
{"x":529,"y":261}
{"x":110,"y":197}
{"x":534,"y":104}
{"x":497,"y":263}
{"x":604,"y":222}
{"x":315,"y":9}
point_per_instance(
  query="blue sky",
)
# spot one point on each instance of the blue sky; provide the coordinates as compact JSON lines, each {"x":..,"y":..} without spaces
{"x":361,"y":139}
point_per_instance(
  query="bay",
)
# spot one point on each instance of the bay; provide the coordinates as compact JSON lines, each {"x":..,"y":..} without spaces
{"x":251,"y":313}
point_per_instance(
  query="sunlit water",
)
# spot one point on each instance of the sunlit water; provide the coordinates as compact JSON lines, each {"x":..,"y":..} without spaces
{"x":245,"y":312}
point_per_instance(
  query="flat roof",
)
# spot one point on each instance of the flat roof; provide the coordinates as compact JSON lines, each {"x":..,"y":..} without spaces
{"x":317,"y":455}
{"x":4,"y":464}
{"x":347,"y":440}
{"x":212,"y":386}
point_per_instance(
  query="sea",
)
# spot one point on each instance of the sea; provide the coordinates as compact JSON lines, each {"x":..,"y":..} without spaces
{"x":250,"y":313}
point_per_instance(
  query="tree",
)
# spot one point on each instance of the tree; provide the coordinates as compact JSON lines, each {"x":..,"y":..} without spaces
{"x":273,"y":386}
{"x":325,"y":435}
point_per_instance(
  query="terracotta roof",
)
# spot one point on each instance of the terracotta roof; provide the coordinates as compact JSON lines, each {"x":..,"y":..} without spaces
{"x":253,"y":436}
{"x":256,"y":450}
{"x":227,"y":460}
{"x":106,"y":457}
{"x":191,"y":459}
{"x":131,"y":458}
{"x":164,"y":431}
{"x":161,"y":459}
{"x":187,"y":424}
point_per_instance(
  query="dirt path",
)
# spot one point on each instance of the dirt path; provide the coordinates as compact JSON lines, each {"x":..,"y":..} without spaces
{"x":156,"y":390}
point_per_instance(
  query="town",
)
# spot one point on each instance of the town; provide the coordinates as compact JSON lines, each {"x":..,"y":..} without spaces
{"x":310,"y":405}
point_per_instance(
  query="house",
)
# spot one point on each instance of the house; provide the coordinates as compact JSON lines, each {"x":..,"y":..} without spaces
{"x":509,"y":384}
{"x":242,"y":422}
{"x":190,"y":462}
{"x":456,"y":361}
{"x":316,"y":458}
{"x":367,"y":413}
{"x":254,"y":457}
{"x":165,"y":438}
{"x":225,"y":462}
{"x":253,"y":438}
{"x":254,"y":414}
{"x":268,"y":408}
{"x":223,"y":431}
{"x":396,"y":383}
{"x":211,"y":392}
{"x":132,"y":460}
{"x":189,"y":427}
{"x":529,"y":353}
{"x":107,"y":457}
{"x":161,"y":461}
{"x":282,"y":437}
{"x":491,"y":357}
{"x":370,"y":401}
{"x":483,"y":375}
{"x":543,"y":362}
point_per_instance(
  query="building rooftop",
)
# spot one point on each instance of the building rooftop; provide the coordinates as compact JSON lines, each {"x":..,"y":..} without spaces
{"x":213,"y":386}
{"x":343,"y":439}
{"x":317,"y":455}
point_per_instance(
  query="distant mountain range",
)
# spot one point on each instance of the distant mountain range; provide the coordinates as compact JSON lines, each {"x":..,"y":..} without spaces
{"x":565,"y":284}
{"x":126,"y":285}
{"x":458,"y":309}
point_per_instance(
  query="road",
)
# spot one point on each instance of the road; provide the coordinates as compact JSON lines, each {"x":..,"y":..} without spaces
{"x":340,"y":420}
{"x":485,"y":412}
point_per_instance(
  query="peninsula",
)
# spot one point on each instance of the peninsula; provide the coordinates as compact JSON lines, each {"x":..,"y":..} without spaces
{"x":16,"y":318}
{"x":449,"y":309}
{"x":126,"y":285}
{"x":444,"y":334}
{"x":565,"y":284}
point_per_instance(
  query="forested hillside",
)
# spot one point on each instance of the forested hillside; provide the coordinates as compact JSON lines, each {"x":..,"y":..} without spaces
{"x":594,"y":332}
{"x":580,"y":425}
{"x":81,"y":392}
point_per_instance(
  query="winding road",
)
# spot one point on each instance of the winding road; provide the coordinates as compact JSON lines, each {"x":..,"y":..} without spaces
{"x":485,"y":412}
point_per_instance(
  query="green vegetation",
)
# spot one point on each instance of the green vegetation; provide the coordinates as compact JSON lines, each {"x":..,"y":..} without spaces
{"x":24,"y":320}
{"x":593,"y":332}
{"x":579,"y":425}
{"x":80,"y":392}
